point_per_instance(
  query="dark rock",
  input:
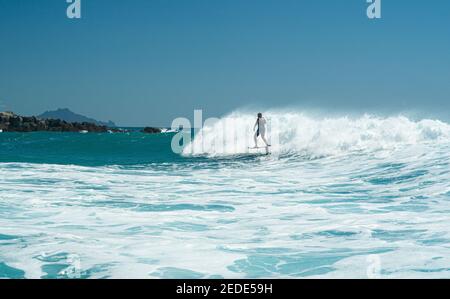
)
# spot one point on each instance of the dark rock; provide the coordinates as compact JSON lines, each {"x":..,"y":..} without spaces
{"x":10,"y":122}
{"x":151,"y":130}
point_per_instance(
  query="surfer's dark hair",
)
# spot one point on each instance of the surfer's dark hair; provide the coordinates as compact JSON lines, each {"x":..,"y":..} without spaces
{"x":259,"y":115}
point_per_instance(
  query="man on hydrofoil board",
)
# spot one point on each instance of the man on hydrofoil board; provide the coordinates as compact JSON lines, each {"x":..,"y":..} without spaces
{"x":260,"y":127}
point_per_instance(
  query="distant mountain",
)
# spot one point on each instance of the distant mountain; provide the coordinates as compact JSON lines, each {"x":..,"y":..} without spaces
{"x":69,"y":116}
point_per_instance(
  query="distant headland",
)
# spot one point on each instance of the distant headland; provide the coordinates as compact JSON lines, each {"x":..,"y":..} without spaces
{"x":61,"y":120}
{"x":71,"y":117}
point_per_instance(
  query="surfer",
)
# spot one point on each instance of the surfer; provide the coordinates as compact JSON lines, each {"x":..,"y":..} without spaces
{"x":260,"y":127}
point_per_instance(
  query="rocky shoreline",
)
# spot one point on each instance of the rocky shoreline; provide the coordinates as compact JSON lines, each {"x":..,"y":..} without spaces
{"x":11,"y":122}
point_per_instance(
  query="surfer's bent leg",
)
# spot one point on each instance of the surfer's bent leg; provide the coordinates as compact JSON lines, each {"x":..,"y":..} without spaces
{"x":263,"y":136}
{"x":256,"y":139}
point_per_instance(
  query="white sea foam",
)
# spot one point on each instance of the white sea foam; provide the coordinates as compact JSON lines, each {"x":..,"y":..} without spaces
{"x":264,"y":216}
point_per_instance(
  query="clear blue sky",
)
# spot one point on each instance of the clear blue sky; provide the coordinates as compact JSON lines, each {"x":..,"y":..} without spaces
{"x":145,"y":62}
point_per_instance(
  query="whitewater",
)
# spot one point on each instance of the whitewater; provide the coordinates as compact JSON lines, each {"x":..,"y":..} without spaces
{"x":339,"y":197}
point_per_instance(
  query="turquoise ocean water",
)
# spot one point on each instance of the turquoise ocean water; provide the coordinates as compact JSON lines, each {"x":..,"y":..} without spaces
{"x":338,"y":198}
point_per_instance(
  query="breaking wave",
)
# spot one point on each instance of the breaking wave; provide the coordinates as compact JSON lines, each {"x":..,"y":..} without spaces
{"x":298,"y":133}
